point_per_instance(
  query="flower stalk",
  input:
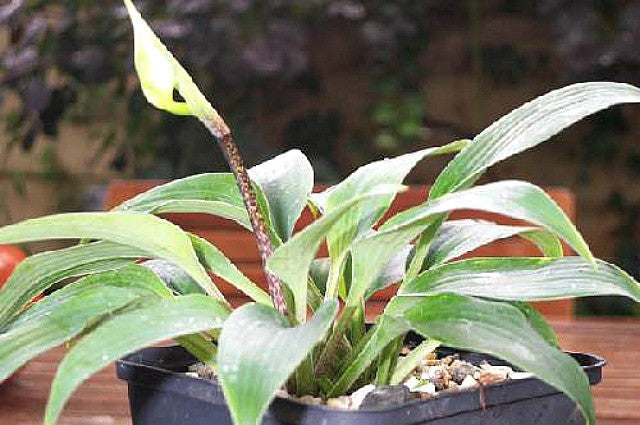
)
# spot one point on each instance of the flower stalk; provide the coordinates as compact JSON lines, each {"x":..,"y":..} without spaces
{"x":222,"y":133}
{"x":160,"y":74}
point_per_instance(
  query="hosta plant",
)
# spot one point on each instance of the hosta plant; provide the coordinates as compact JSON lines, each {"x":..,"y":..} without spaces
{"x":135,"y":279}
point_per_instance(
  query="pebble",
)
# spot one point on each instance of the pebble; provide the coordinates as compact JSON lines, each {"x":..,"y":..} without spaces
{"x":448,"y":360}
{"x":411,"y":383}
{"x":502,"y":371}
{"x":386,"y":396}
{"x":468,"y":383}
{"x":452,"y":388}
{"x":520,"y":375}
{"x":342,"y":402}
{"x":459,"y":370}
{"x":425,"y":388}
{"x":439,"y":376}
{"x":358,"y":396}
{"x":432,"y":378}
{"x":202,"y":371}
{"x":310,"y":400}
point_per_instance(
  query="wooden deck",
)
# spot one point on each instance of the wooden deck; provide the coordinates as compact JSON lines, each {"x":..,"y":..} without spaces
{"x":102,"y":400}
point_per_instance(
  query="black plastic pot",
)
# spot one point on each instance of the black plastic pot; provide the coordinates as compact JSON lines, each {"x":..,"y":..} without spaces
{"x":161,"y":394}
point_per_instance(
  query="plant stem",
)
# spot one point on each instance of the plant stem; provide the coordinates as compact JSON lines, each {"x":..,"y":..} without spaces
{"x":219,"y":129}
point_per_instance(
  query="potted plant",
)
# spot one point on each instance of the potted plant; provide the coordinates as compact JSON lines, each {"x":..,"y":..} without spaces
{"x":296,"y":338}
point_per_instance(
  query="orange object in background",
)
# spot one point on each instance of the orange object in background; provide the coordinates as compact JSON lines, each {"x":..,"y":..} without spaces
{"x":10,"y":256}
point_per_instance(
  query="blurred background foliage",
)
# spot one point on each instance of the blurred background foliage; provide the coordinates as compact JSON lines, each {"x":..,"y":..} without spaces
{"x":346,"y":81}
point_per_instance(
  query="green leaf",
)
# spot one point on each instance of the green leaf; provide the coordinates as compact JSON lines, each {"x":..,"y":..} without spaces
{"x":286,"y":181}
{"x":371,"y":254}
{"x":547,"y":242}
{"x":215,"y":262}
{"x":387,"y":329}
{"x":319,"y":272}
{"x":525,"y":279}
{"x":421,"y":248}
{"x":200,"y":347}
{"x":291,"y":261}
{"x":173,"y":277}
{"x":211,"y":193}
{"x":132,"y":276}
{"x":516,"y":199}
{"x":527,"y":126}
{"x":40,"y":271}
{"x":68,"y":311}
{"x":503,"y":331}
{"x":392,"y":272}
{"x":256,"y":355}
{"x":215,"y":208}
{"x":512,"y":198}
{"x":157,"y":237}
{"x":458,"y":237}
{"x":124,"y":333}
{"x":361,"y":182}
{"x":387,"y":361}
{"x":538,"y":322}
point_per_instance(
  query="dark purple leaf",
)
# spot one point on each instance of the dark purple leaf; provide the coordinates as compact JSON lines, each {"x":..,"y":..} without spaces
{"x":171,"y":28}
{"x":34,"y":30}
{"x":36,"y":95}
{"x":9,"y":12}
{"x":346,"y":9}
{"x":19,"y":63}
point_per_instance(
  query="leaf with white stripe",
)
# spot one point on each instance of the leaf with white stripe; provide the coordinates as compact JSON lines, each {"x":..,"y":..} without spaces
{"x":525,"y":279}
{"x":515,"y":199}
{"x":527,"y":126}
{"x":512,"y":198}
{"x":214,"y":261}
{"x":292,"y":261}
{"x":157,"y":237}
{"x":210,"y":193}
{"x":68,"y":311}
{"x":40,"y":271}
{"x":458,"y":237}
